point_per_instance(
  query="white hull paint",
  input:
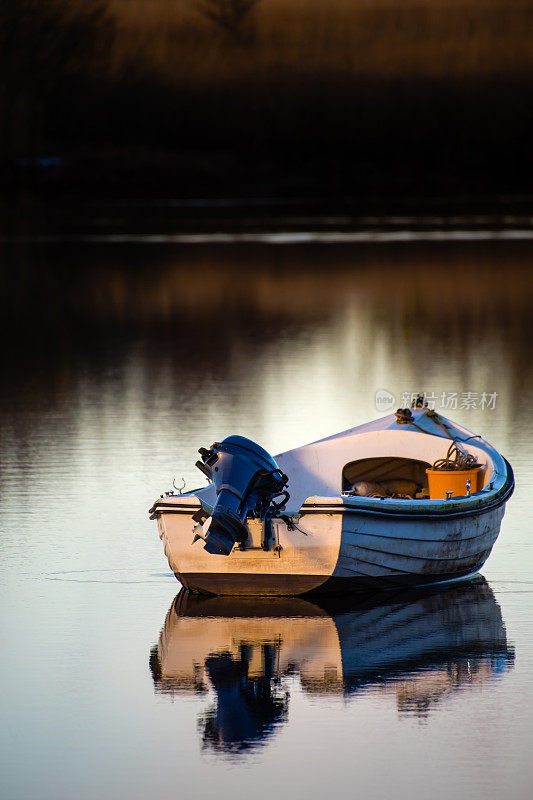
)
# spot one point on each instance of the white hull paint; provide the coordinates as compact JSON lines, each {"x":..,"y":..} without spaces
{"x":342,"y":549}
{"x":299,"y":564}
{"x":381,"y":552}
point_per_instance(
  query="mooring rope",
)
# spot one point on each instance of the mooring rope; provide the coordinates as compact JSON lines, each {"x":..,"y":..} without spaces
{"x":432,"y":414}
{"x":456,"y":459}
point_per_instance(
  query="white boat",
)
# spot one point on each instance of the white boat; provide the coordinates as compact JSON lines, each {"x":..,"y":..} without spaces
{"x":322,"y":536}
{"x":413,"y":647}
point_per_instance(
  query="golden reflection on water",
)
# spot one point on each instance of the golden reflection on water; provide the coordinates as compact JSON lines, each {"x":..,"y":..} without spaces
{"x":281,"y":343}
{"x":463,"y":283}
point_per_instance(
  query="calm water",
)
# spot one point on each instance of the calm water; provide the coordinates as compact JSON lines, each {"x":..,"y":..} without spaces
{"x":121,"y":358}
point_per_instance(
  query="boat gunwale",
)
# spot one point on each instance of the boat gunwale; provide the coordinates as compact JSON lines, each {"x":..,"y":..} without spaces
{"x":468,"y":506}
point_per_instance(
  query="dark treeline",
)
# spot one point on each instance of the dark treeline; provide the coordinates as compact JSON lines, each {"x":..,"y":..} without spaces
{"x":48,"y":49}
{"x":72,"y":119}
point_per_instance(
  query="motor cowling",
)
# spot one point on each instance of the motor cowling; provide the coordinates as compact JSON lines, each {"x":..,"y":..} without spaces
{"x":247,"y":481}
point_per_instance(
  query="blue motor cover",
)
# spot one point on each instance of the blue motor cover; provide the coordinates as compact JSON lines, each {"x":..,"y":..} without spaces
{"x":246,"y":479}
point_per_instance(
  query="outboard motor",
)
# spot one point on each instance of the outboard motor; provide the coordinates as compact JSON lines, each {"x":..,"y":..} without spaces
{"x":247,"y":479}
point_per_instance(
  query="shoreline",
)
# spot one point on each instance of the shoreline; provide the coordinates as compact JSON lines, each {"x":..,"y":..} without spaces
{"x":104,"y":193}
{"x":31,"y":216}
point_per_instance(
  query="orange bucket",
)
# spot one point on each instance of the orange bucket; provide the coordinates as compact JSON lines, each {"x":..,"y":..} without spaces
{"x":441,"y":481}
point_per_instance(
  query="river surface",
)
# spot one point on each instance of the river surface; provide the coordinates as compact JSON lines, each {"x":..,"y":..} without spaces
{"x":121,"y":356}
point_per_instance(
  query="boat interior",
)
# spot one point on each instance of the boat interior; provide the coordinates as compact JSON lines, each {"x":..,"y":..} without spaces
{"x":390,"y":475}
{"x":388,"y":458}
{"x":406,"y":477}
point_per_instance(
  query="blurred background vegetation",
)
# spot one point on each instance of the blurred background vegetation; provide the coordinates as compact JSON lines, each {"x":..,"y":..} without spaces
{"x":253,"y":97}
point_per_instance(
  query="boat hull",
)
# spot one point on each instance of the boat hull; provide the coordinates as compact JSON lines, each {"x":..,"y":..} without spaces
{"x":386,"y":554}
{"x":335,"y":551}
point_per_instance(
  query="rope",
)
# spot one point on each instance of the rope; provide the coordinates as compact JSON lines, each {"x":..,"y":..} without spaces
{"x":455,"y":459}
{"x":291,"y":525}
{"x":435,"y":417}
{"x":404,"y":416}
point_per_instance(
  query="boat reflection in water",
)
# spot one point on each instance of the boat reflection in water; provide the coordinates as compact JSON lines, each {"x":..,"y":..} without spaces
{"x":417,"y":645}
